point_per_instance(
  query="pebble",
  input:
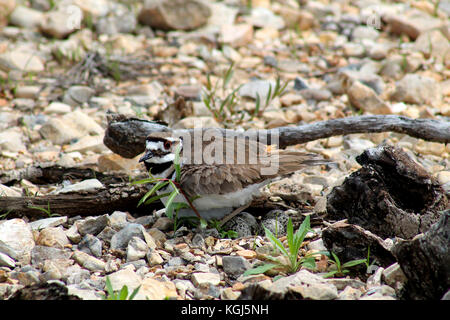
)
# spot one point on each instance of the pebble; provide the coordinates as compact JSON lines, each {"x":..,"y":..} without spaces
{"x":393,"y":274}
{"x":59,"y":24}
{"x":85,"y":185}
{"x":202,"y":278}
{"x":364,"y":98}
{"x":263,"y":17}
{"x":25,"y":17}
{"x":77,"y":95}
{"x":92,"y":225}
{"x":52,"y":237}
{"x":174,"y":14}
{"x":124,"y":277}
{"x":136,"y":249}
{"x":39,"y":254}
{"x":234,"y":266}
{"x":58,"y":108}
{"x":47,"y":222}
{"x":121,"y":239}
{"x":154,"y":289}
{"x":91,"y":245}
{"x":16,"y":235}
{"x":22,"y":61}
{"x":87,"y":261}
{"x":417,"y":89}
{"x":6,"y":261}
{"x":236,"y":35}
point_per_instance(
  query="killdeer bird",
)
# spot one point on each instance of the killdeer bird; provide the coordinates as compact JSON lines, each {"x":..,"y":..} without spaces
{"x":222,"y":174}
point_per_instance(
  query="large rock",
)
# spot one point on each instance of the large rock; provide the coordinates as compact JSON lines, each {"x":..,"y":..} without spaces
{"x":154,"y":289}
{"x":417,"y":89}
{"x":26,"y":17}
{"x":71,"y":126}
{"x":16,"y":236}
{"x":174,"y":14}
{"x":21,"y":61}
{"x":412,"y":23}
{"x":364,"y":98}
{"x":59,"y":24}
{"x":303,"y":284}
{"x":433,"y":44}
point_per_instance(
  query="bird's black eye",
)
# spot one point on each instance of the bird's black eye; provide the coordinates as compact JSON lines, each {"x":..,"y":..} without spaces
{"x":167,"y":144}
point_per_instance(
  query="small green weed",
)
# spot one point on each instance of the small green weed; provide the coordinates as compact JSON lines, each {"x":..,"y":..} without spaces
{"x":292,"y":253}
{"x":118,"y":295}
{"x":341,"y":269}
{"x":47,"y":210}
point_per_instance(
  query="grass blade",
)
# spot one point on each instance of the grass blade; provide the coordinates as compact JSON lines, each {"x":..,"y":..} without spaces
{"x":353,"y":263}
{"x":260,"y":269}
{"x":228,"y":75}
{"x":277,"y":243}
{"x":133,"y":294}
{"x":169,"y":206}
{"x":155,"y":188}
{"x":123,"y":294}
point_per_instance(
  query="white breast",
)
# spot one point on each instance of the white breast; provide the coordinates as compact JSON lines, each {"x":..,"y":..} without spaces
{"x":215,"y":201}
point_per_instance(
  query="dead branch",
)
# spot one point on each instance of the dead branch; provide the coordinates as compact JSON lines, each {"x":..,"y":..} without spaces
{"x":126,"y":136}
{"x":121,"y":196}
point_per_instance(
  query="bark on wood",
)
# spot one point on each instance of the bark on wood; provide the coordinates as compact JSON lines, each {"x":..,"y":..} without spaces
{"x":118,"y":194}
{"x":50,"y":174}
{"x":425,"y":260}
{"x":126,"y":136}
{"x":390,"y":195}
{"x":113,"y":197}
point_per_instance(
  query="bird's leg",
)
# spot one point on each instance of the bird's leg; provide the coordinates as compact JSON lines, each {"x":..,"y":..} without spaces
{"x":234,"y":213}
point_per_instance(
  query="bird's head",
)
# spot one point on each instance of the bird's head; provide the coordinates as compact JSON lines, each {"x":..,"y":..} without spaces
{"x":160,"y":149}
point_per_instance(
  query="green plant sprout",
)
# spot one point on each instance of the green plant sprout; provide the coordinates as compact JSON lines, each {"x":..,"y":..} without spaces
{"x":341,"y":269}
{"x":221,"y":108}
{"x":118,"y":295}
{"x":291,"y":253}
{"x":223,"y":233}
{"x":4,"y":215}
{"x":47,"y":210}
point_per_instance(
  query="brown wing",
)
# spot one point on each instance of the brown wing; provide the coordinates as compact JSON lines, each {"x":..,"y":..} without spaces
{"x":219,"y":178}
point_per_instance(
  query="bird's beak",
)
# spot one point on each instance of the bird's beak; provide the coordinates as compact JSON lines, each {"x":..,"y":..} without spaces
{"x":147,"y":155}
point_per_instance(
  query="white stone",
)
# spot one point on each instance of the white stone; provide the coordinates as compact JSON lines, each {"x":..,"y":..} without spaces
{"x":85,"y":185}
{"x":47,"y":222}
{"x":124,"y":277}
{"x":136,"y":249}
{"x":21,"y":61}
{"x":58,"y":108}
{"x":16,"y":234}
{"x":25,"y":17}
{"x":6,"y":261}
{"x":8,"y":192}
{"x":200,"y":278}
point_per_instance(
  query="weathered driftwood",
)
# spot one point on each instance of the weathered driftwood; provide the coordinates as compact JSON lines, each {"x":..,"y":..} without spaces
{"x":391,"y":195}
{"x":48,"y":173}
{"x":425,"y":260}
{"x":118,"y":193}
{"x":113,"y":197}
{"x":126,"y":136}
